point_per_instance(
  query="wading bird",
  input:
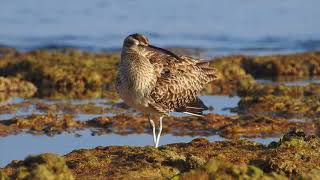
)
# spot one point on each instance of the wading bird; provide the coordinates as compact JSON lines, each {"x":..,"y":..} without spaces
{"x":153,"y":80}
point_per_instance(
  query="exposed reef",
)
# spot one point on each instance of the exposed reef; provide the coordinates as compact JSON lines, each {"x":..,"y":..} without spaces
{"x":266,"y":109}
{"x":69,"y":71}
{"x":72,"y":73}
{"x":281,"y":106}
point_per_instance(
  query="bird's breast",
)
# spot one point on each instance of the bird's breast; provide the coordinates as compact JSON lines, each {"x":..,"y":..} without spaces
{"x":135,"y":82}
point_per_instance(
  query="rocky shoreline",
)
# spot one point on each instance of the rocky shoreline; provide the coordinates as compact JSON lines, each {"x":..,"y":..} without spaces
{"x":294,"y":156}
{"x":276,"y":109}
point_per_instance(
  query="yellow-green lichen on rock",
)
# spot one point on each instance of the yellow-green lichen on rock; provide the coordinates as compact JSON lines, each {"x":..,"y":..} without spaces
{"x":218,"y":169}
{"x":43,"y":167}
{"x":3,"y":176}
{"x":62,"y":70}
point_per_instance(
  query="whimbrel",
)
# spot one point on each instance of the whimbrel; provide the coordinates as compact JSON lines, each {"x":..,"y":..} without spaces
{"x":153,"y":80}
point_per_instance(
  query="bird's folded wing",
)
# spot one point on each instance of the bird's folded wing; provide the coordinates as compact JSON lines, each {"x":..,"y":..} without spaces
{"x":178,"y":82}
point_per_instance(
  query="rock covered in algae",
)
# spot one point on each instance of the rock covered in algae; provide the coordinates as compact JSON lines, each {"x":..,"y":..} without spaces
{"x":281,"y":90}
{"x":231,"y":75}
{"x":296,"y":156}
{"x":43,"y":167}
{"x":298,"y":65}
{"x":282,"y":105}
{"x":218,"y":169}
{"x":49,"y":124}
{"x":3,"y":176}
{"x":62,"y":70}
{"x":10,"y":87}
{"x":16,"y":85}
{"x":77,"y":72}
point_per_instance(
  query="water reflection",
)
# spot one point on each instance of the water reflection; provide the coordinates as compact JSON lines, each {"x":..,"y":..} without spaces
{"x":17,"y":147}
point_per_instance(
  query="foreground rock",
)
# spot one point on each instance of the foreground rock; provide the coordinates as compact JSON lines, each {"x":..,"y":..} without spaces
{"x":44,"y":166}
{"x":295,"y":156}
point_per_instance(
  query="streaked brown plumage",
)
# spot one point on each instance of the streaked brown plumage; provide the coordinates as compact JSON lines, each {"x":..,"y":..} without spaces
{"x":156,"y":81}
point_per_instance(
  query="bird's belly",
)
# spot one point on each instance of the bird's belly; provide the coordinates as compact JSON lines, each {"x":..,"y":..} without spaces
{"x":136,"y":100}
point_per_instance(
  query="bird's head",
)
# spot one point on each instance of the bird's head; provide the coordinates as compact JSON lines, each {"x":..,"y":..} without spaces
{"x":135,"y":40}
{"x":139,"y":42}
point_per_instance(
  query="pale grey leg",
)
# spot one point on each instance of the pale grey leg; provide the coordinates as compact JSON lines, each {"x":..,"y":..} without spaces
{"x":153,"y":130}
{"x":159,"y":133}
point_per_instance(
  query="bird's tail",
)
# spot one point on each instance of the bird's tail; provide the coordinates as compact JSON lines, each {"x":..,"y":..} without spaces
{"x":194,"y":108}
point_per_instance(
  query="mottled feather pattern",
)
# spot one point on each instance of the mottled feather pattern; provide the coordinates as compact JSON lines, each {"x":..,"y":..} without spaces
{"x":184,"y":79}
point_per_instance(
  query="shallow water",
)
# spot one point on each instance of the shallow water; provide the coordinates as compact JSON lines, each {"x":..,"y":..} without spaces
{"x":220,"y":104}
{"x":17,"y":147}
{"x":219,"y":27}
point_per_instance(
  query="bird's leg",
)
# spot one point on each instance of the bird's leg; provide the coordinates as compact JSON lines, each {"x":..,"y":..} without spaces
{"x":160,"y":130}
{"x":153,"y":130}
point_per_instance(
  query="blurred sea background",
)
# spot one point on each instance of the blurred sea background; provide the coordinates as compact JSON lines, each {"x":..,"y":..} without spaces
{"x":216,"y":27}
